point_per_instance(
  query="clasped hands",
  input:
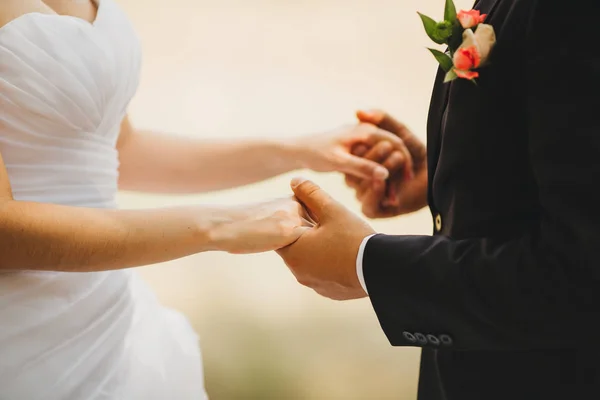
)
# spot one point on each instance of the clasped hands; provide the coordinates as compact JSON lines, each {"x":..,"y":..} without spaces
{"x":317,"y":237}
{"x":323,"y":257}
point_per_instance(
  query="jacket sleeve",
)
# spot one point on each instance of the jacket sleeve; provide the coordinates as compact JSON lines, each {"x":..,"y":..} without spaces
{"x":537,"y":289}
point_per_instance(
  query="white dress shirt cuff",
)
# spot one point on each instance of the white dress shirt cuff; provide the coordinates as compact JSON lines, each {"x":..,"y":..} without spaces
{"x":359,"y":262}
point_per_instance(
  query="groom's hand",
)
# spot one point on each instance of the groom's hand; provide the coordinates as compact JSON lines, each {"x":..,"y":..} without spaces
{"x":405,"y":190}
{"x":324,"y":257}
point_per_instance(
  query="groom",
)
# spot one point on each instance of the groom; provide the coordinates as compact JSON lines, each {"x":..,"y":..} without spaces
{"x":504,"y":298}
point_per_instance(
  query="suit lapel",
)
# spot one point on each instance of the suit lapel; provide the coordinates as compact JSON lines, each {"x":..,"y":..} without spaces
{"x":438,"y":107}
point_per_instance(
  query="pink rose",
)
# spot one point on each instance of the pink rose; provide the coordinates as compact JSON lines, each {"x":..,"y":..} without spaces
{"x":467,"y":58}
{"x":471,"y":18}
{"x":474,"y":51}
{"x":470,"y":75}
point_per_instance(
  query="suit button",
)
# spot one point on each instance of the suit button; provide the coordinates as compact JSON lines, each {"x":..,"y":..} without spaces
{"x":438,"y":223}
{"x":410,"y":337}
{"x":434,"y":340}
{"x":446,"y":340}
{"x":421,"y":338}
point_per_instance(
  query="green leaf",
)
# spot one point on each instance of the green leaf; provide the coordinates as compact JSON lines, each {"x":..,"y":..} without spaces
{"x":443,"y":58}
{"x":450,"y":11}
{"x":430,"y":28}
{"x":450,"y":76}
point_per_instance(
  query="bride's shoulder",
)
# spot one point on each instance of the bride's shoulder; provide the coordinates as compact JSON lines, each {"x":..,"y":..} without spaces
{"x":11,"y":10}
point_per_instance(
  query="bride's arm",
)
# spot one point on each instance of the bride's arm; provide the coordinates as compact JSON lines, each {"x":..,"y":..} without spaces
{"x":157,"y":162}
{"x":36,"y":236}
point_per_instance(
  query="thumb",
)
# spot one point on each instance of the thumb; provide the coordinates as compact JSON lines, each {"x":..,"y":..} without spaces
{"x":374,"y":117}
{"x":315,"y":199}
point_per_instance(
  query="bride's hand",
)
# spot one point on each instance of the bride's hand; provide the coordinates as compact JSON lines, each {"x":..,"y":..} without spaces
{"x":332,"y":151}
{"x":260,"y":227}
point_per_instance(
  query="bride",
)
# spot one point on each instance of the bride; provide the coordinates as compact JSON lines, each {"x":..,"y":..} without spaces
{"x":75,"y":321}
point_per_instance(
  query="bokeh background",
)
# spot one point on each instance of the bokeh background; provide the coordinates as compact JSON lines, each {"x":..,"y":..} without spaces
{"x":237,"y":68}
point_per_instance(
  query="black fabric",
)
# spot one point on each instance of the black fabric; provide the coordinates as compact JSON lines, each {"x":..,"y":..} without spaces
{"x":513,"y":275}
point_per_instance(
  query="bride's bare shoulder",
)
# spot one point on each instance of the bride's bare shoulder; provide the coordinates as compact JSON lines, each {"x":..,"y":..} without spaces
{"x":13,"y":9}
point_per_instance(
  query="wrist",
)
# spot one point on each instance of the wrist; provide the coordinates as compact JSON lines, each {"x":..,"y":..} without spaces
{"x":211,"y":227}
{"x":295,"y":152}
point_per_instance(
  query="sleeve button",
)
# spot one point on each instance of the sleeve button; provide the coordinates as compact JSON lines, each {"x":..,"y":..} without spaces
{"x":421,"y":338}
{"x":410,"y":337}
{"x":434,"y":340}
{"x":446,"y":340}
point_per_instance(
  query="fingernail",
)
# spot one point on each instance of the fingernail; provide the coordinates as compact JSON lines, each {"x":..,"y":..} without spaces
{"x":297,"y":181}
{"x":380,"y":173}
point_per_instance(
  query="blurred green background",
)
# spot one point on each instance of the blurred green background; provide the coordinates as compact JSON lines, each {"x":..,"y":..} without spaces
{"x":235,"y":68}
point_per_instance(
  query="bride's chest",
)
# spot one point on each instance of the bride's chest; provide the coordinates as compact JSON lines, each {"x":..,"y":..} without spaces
{"x":75,"y":75}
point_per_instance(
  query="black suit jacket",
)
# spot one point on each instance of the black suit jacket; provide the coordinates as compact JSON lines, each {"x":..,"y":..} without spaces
{"x":505,"y":296}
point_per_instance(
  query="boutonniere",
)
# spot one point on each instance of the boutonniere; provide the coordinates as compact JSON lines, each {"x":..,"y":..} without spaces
{"x":469,"y":41}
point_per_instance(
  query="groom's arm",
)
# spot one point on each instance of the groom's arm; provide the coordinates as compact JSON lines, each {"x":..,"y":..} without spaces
{"x":539,"y":289}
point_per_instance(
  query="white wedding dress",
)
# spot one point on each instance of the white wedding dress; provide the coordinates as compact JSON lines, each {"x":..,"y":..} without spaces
{"x":64,"y":88}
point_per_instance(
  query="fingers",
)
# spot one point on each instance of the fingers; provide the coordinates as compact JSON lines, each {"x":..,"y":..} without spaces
{"x":376,"y":136}
{"x":295,"y":222}
{"x":360,"y":150}
{"x":371,"y":200}
{"x":316,"y":200}
{"x":372,"y":193}
{"x":378,"y":154}
{"x":374,"y":117}
{"x":392,"y":160}
{"x":361,"y":167}
{"x":370,"y":135}
{"x":386,"y":122}
{"x":397,"y":161}
{"x":376,"y":146}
